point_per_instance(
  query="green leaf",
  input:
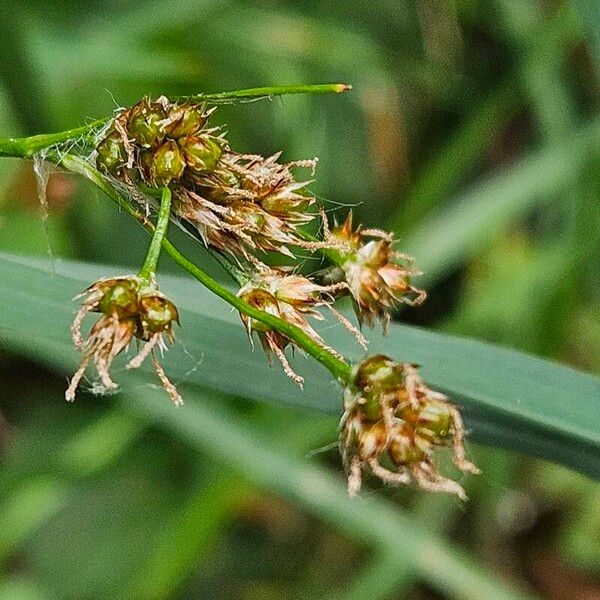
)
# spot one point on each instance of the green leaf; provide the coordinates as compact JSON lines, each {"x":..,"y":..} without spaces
{"x":509,"y":399}
{"x":40,"y":333}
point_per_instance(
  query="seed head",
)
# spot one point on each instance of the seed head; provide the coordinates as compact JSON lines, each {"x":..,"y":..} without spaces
{"x":128,"y":310}
{"x":292,"y":298}
{"x":378,"y":278}
{"x":159,"y":142}
{"x":391,"y":415}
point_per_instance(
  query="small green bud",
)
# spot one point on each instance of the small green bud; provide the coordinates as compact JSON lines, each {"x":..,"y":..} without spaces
{"x":435,"y":417}
{"x":111,"y":154}
{"x":191,"y":122}
{"x":379,"y":372}
{"x":145,"y":124}
{"x":168,"y":164}
{"x":120,"y":297}
{"x":201,"y":152}
{"x":157,"y":314}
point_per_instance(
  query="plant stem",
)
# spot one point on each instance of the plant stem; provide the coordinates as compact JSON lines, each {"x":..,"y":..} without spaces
{"x":28,"y":146}
{"x":148,"y":271}
{"x":277,"y":90}
{"x":236,"y":274}
{"x":338,"y":368}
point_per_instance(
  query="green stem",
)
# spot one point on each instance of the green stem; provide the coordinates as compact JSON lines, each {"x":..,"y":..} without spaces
{"x":277,"y":90}
{"x":28,"y":146}
{"x":148,"y":271}
{"x":338,"y":368}
{"x":237,"y":275}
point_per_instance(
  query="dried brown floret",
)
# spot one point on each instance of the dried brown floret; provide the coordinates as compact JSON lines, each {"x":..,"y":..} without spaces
{"x":248,"y":203}
{"x":378,"y":278}
{"x":291,"y":297}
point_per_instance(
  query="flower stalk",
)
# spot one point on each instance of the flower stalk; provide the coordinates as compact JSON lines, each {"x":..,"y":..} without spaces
{"x":148,"y":271}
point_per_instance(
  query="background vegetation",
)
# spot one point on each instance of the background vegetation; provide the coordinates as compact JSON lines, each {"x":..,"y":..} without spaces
{"x":473,"y":132}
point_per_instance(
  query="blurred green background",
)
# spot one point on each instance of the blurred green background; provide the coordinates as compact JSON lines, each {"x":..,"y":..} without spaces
{"x":473,"y":131}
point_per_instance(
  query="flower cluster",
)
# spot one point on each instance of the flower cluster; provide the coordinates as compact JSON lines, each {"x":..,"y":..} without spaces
{"x":378,"y":278}
{"x":157,"y":143}
{"x":292,"y":298}
{"x":129,"y":310}
{"x":391,"y":416}
{"x":237,"y":203}
{"x":245,"y":207}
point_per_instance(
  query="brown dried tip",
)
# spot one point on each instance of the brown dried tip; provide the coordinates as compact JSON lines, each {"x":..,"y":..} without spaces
{"x":128,"y":311}
{"x":378,"y":278}
{"x":392,"y":417}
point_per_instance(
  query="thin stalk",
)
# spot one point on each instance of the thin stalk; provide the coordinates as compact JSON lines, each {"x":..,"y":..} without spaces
{"x":28,"y":146}
{"x":270,"y":91}
{"x":148,"y":271}
{"x":237,"y":275}
{"x":338,"y":368}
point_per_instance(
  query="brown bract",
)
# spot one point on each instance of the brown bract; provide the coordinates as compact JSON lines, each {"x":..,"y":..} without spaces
{"x":393,"y":425}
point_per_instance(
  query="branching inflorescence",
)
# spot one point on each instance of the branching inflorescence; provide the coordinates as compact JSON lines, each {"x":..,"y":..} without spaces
{"x":245,"y":208}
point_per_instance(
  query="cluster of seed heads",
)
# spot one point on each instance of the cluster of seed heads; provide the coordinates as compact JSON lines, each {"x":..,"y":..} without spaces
{"x":390,"y":414}
{"x":247,"y":207}
{"x":130,"y":309}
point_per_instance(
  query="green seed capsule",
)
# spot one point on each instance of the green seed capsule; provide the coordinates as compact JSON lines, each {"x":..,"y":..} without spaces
{"x":191,"y":122}
{"x":157,"y":314}
{"x":120,"y":298}
{"x":435,"y":418}
{"x":111,"y":154}
{"x":201,"y":152}
{"x":264,"y":301}
{"x":145,"y":124}
{"x":168,"y":164}
{"x":379,"y":372}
